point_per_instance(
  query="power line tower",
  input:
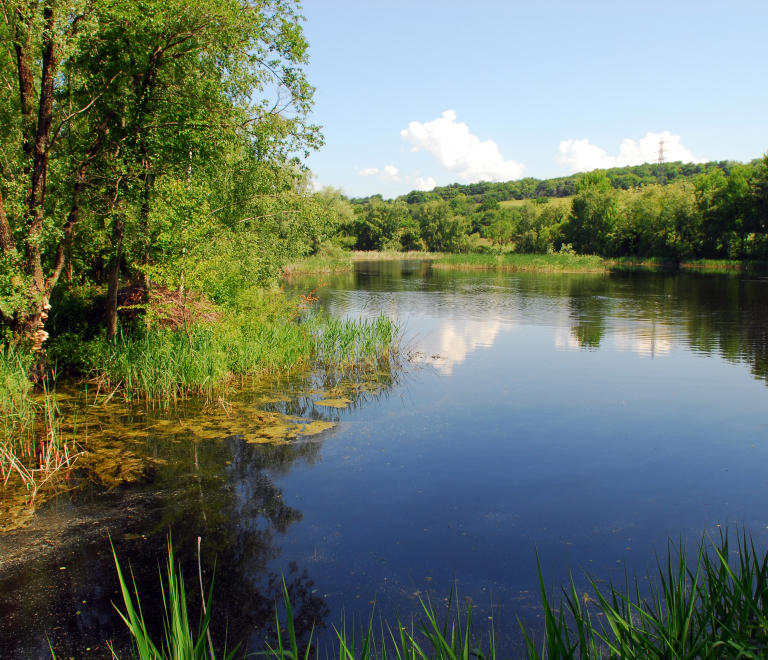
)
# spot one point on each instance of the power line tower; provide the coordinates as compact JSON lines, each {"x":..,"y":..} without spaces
{"x":660,"y":173}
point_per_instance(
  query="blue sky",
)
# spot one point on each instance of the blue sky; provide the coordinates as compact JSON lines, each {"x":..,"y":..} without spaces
{"x":413,"y":94}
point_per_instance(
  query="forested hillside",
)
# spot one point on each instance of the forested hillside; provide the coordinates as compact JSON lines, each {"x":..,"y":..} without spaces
{"x":623,"y":178}
{"x":712,"y":210}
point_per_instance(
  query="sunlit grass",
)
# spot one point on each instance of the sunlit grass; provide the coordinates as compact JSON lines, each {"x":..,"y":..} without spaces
{"x":166,"y":364}
{"x":320,"y":264}
{"x":390,"y":255}
{"x":703,"y":264}
{"x":564,"y":263}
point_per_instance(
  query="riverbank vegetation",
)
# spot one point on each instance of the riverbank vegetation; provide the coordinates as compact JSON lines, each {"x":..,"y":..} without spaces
{"x":150,"y":197}
{"x":694,"y":603}
{"x":695,"y":214}
{"x":557,"y":263}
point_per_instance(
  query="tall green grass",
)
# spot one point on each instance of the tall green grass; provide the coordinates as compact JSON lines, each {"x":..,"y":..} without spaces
{"x":356,"y":342}
{"x":391,"y":255}
{"x":700,"y":606}
{"x":565,"y":263}
{"x":705,"y":264}
{"x":17,"y":408}
{"x":162,"y":363}
{"x":320,"y":263}
{"x":694,"y":605}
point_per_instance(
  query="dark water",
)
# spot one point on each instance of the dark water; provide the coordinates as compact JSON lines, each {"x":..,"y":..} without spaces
{"x":584,"y":416}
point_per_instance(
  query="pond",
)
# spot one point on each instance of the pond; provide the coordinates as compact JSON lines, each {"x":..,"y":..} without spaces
{"x":583,"y":417}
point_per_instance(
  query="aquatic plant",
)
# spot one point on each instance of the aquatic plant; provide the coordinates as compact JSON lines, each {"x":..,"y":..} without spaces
{"x":167,"y":364}
{"x":17,"y":409}
{"x":34,"y":452}
{"x":695,"y":605}
{"x":692,"y":608}
{"x":563,"y":263}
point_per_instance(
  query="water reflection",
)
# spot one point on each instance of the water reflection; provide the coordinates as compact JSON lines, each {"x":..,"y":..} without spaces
{"x":646,"y":312}
{"x":58,"y":579}
{"x":453,"y":341}
{"x":544,"y":426}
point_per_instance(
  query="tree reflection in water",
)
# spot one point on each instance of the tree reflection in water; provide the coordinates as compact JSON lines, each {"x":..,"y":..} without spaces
{"x":223,"y":492}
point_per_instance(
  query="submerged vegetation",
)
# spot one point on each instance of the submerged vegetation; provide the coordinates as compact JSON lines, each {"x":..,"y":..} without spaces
{"x":708,"y":603}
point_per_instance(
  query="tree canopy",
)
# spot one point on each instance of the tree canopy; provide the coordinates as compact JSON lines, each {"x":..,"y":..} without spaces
{"x":154,"y":139}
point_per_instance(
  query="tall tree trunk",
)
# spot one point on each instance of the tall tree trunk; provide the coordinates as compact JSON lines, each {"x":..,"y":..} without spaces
{"x":31,"y":327}
{"x":6,"y":238}
{"x":114,"y":280}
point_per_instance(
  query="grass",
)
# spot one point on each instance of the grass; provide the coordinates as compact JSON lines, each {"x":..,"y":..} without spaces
{"x":702,"y":608}
{"x":693,"y":605}
{"x":34,"y":454}
{"x":166,"y":364}
{"x":561,"y":263}
{"x":17,"y":408}
{"x":319,"y":264}
{"x":520,"y":202}
{"x":705,"y":264}
{"x":729,"y":264}
{"x":339,"y":262}
{"x":374,"y":255}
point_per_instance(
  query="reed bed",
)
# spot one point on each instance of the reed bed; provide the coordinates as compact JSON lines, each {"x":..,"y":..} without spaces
{"x":17,"y":407}
{"x":711,"y":603}
{"x":357,"y":343}
{"x":543,"y":263}
{"x":166,"y":364}
{"x":320,"y":264}
{"x":704,"y":264}
{"x":390,"y":255}
{"x":33,"y":451}
{"x":725,"y":264}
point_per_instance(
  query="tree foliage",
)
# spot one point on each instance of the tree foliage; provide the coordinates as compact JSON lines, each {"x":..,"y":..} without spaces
{"x":153,"y":140}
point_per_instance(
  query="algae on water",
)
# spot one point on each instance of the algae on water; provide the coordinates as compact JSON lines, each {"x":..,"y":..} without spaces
{"x":333,"y":403}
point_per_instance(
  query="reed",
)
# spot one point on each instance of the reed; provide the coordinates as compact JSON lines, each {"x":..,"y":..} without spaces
{"x":320,"y":263}
{"x":697,"y":605}
{"x":390,"y":255}
{"x":166,"y":364}
{"x":34,"y":453}
{"x":547,"y":263}
{"x":703,"y":264}
{"x":17,"y":407}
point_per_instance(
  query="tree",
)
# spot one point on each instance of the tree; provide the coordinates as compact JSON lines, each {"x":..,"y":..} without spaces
{"x":441,"y":229}
{"x":593,"y":214}
{"x":131,"y":92}
{"x":377,"y":224}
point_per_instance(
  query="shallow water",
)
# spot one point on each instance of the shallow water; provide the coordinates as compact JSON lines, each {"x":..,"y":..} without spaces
{"x":586,"y":417}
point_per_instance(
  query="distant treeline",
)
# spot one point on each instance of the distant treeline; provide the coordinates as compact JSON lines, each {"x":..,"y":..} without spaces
{"x":622,"y":178}
{"x":712,"y":210}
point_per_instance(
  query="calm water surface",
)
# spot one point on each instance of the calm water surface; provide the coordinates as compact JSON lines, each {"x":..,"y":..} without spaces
{"x":583,"y":416}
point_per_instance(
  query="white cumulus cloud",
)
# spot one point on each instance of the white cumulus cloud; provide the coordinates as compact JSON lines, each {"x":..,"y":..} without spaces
{"x":367,"y":171}
{"x":460,"y":152}
{"x":390,"y":173}
{"x":425,"y":184}
{"x":581,"y":156}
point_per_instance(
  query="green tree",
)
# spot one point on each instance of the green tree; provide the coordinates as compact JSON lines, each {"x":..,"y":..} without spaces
{"x":441,"y":229}
{"x":377,"y":224}
{"x":128,"y":92}
{"x":593,"y":214}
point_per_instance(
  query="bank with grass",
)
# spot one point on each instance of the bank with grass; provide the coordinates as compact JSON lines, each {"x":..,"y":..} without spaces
{"x":543,"y":263}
